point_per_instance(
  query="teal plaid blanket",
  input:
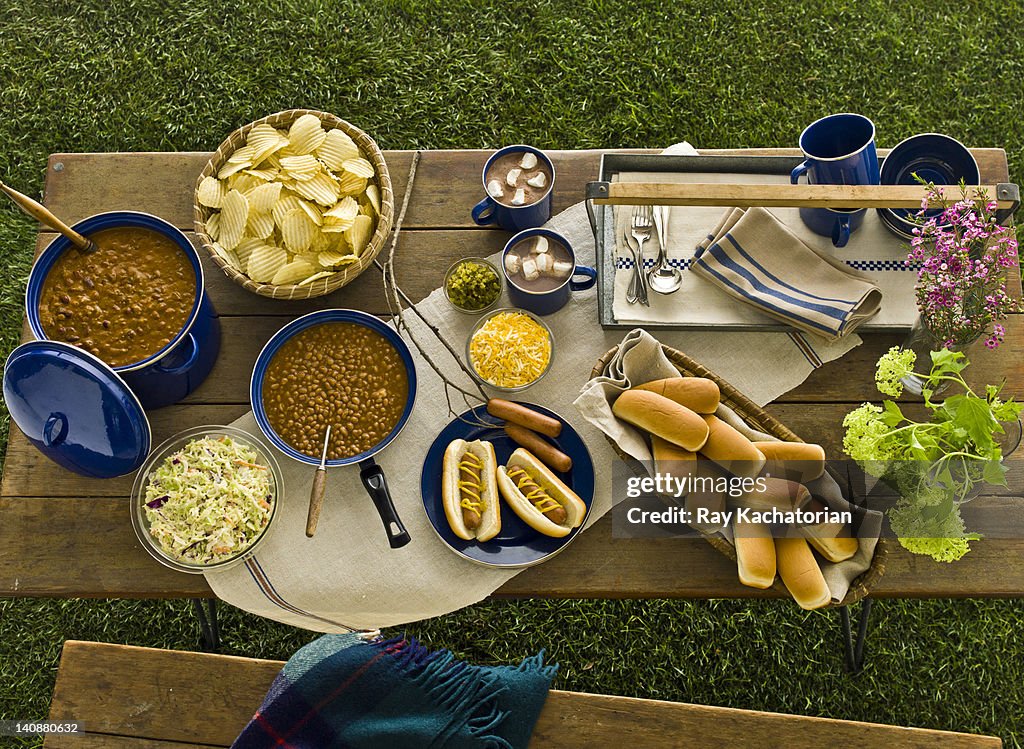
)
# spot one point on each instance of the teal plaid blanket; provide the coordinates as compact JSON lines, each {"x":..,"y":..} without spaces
{"x":341,"y":691}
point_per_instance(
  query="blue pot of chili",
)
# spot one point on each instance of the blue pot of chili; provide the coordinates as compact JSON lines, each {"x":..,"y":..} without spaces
{"x":358,"y":378}
{"x":162,"y":342}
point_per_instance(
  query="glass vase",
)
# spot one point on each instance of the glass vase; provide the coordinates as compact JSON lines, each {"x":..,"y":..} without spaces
{"x":922,"y":341}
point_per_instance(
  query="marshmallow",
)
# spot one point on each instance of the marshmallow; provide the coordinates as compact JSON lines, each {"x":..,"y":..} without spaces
{"x":520,"y":197}
{"x":512,"y":177}
{"x":562,"y":269}
{"x":540,"y":246}
{"x":494,"y":189}
{"x":538,"y":180}
{"x":545,"y":263}
{"x":529,"y":160}
{"x":530,"y":270}
{"x":513,"y":263}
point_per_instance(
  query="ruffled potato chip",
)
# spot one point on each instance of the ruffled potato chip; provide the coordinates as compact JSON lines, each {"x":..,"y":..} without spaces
{"x":267,"y":175}
{"x":359,"y":167}
{"x":264,"y":262}
{"x":315,"y":277}
{"x":359,"y":235}
{"x":286,"y":204}
{"x":234,"y":215}
{"x":321,"y":189}
{"x":345,"y":209}
{"x":264,"y":140}
{"x":263,"y":198}
{"x":213,"y":226}
{"x":292,"y":272}
{"x":227,"y":256}
{"x":336,"y":149}
{"x":242,"y":155}
{"x":350,"y":184}
{"x":259,"y":225}
{"x":243,"y":182}
{"x":245,"y":247}
{"x":312,"y":210}
{"x":373,"y":195}
{"x":305,"y":135}
{"x":211,"y":192}
{"x":229,"y":169}
{"x":301,"y":168}
{"x":297,"y":231}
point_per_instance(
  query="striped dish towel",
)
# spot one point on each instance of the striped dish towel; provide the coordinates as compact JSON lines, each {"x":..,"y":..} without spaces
{"x":755,"y":258}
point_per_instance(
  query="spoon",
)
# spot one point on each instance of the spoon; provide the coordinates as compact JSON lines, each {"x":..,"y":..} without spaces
{"x":316,"y":496}
{"x":663,"y":278}
{"x":42,"y":214}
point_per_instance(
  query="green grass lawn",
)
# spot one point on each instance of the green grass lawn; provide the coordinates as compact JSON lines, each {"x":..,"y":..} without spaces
{"x":148,"y":75}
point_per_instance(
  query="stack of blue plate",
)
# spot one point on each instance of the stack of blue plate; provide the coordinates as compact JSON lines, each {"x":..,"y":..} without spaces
{"x":932,"y":157}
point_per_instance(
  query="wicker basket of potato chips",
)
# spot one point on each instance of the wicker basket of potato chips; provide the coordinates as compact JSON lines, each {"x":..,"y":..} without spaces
{"x":294,"y":205}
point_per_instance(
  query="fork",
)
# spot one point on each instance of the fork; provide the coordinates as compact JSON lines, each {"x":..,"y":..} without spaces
{"x":641,"y":225}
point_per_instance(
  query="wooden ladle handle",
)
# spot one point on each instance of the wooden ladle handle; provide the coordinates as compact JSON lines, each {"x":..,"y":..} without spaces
{"x":43,"y":214}
{"x":316,"y":501}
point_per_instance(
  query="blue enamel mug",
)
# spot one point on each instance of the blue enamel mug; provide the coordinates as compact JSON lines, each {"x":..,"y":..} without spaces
{"x":838,"y":150}
{"x":551,"y":300}
{"x":514,"y":217}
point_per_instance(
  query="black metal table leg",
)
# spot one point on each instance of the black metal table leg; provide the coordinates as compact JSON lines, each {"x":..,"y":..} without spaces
{"x":854,"y":649}
{"x":208,"y":625}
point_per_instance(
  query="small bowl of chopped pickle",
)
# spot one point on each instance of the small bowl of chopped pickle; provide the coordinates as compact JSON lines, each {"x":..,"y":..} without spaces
{"x":206,"y":498}
{"x":472,"y":285}
{"x":510,"y":349}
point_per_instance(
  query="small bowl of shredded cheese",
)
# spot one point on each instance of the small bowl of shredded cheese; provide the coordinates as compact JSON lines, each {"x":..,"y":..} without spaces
{"x":510,"y":349}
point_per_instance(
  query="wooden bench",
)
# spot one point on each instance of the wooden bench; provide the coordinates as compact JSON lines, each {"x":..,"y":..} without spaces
{"x":141,"y":698}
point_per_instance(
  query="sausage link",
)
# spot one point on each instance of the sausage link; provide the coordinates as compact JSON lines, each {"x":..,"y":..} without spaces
{"x":547,"y":453}
{"x":524,"y":417}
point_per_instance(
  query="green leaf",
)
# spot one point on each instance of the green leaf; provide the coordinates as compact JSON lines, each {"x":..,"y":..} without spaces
{"x":975,"y":416}
{"x":994,"y":473}
{"x":892,"y":416}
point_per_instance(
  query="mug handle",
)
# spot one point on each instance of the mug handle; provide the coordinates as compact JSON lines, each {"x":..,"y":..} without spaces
{"x":583,"y":270}
{"x":841,"y":231}
{"x":794,"y":176}
{"x":484,"y":213}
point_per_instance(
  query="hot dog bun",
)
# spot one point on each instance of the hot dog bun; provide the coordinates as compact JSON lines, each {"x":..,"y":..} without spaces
{"x":800,"y":461}
{"x":730,"y":449}
{"x":779,"y":494}
{"x":755,"y":554}
{"x":658,"y":415}
{"x":834,"y":549}
{"x":508,"y":485}
{"x":698,"y":394}
{"x":451,"y":491}
{"x":800,"y":572}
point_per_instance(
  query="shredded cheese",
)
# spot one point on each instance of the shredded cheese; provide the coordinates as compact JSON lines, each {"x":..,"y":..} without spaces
{"x":510,"y":350}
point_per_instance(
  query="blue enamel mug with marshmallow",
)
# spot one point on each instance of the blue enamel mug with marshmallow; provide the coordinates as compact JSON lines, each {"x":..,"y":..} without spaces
{"x":491,"y":211}
{"x":547,"y":301}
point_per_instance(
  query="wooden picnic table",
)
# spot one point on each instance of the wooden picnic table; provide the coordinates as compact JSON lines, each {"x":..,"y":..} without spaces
{"x":64,"y":535}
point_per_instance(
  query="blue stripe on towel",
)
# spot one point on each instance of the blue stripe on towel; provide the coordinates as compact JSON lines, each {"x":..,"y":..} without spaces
{"x":823,"y":309}
{"x":759,"y":302}
{"x":779,"y":281}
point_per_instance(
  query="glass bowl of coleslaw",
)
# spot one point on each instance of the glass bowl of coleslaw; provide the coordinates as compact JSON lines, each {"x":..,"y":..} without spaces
{"x":205,"y":498}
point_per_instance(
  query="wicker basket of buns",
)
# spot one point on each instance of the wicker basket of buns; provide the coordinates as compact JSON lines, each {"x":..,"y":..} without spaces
{"x":757,"y":419}
{"x":294,"y":205}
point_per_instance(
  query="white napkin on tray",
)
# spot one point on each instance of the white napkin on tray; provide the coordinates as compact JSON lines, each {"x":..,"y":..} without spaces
{"x":346,"y":576}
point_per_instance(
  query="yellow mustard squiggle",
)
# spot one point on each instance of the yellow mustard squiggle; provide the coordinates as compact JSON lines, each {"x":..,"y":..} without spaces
{"x":532,"y":490}
{"x":470,"y":486}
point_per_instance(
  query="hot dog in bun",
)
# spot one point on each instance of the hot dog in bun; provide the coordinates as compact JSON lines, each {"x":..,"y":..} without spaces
{"x":469,"y":490}
{"x":538,"y":496}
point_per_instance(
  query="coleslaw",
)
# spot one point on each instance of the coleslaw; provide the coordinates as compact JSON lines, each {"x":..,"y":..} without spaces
{"x":210,"y":500}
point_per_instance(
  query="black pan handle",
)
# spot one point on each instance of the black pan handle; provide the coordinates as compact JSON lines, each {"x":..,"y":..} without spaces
{"x":377,"y":487}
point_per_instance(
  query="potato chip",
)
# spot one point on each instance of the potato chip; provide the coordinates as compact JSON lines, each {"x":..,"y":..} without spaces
{"x":245,"y":247}
{"x":284,"y":205}
{"x":259,"y":225}
{"x":359,"y":235}
{"x":272,"y":162}
{"x":211,"y":192}
{"x":228,"y":169}
{"x":301,"y":168}
{"x":233,"y":217}
{"x":227,"y":256}
{"x":305,"y":135}
{"x":264,"y":140}
{"x":345,"y":209}
{"x":359,"y":167}
{"x":332,"y":258}
{"x":265,"y":261}
{"x":373,"y":195}
{"x":315,"y":277}
{"x":336,"y":149}
{"x":263,"y":198}
{"x":312,"y":211}
{"x":297,"y":230}
{"x":243,"y":182}
{"x":350,"y":184}
{"x":321,"y":189}
{"x":267,"y":175}
{"x":292,"y":272}
{"x":242,"y":155}
{"x":213,"y":226}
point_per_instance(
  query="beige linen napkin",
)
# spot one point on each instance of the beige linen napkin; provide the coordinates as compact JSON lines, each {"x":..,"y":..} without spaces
{"x":754,"y":258}
{"x":640,"y":359}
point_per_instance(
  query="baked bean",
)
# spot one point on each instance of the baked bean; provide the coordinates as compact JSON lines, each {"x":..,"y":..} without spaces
{"x":328,"y":374}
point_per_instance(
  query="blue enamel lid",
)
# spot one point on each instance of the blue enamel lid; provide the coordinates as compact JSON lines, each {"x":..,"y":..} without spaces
{"x":75,"y":409}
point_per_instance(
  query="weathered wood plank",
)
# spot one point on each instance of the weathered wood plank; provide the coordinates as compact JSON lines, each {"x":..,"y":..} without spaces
{"x":149,"y":694}
{"x":447,"y":185}
{"x":67,"y":547}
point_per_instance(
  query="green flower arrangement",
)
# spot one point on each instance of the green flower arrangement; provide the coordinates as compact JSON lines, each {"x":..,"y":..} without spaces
{"x":934,"y":465}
